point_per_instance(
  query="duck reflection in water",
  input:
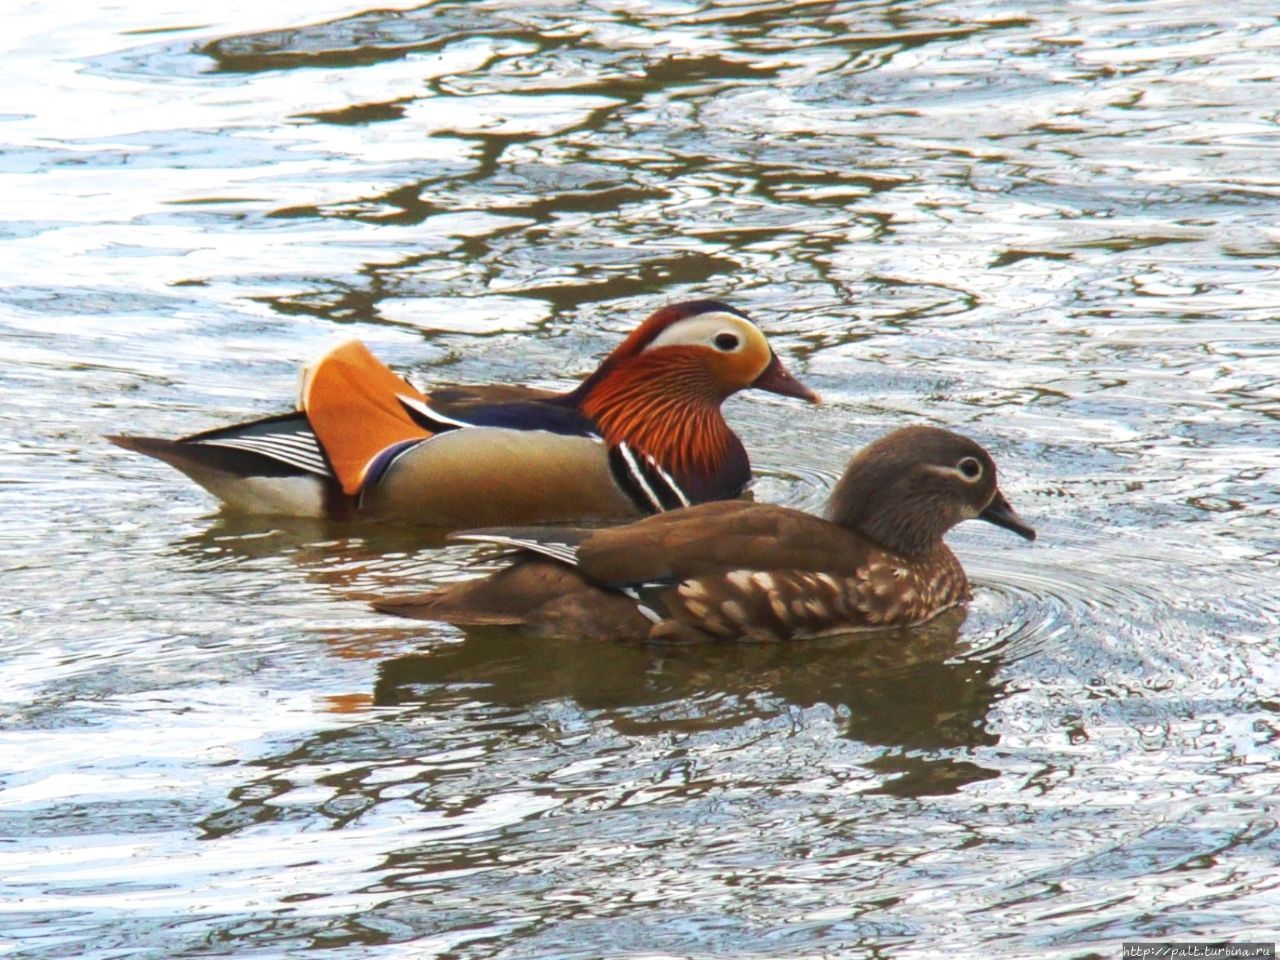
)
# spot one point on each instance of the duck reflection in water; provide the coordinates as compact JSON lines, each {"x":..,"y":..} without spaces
{"x":918,"y":692}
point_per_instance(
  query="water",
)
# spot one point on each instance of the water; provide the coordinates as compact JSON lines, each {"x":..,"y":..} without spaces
{"x":1052,"y":227}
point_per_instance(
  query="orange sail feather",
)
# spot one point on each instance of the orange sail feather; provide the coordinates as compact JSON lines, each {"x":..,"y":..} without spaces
{"x":351,"y":400}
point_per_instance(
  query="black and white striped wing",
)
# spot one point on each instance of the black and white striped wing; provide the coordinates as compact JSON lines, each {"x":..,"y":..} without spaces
{"x":275,"y":445}
{"x":559,"y":544}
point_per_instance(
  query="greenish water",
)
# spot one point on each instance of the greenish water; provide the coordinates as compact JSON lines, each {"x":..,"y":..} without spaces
{"x":1053,"y":227}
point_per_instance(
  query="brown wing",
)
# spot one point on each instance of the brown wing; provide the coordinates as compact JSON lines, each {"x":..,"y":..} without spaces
{"x":715,"y":538}
{"x":350,"y":398}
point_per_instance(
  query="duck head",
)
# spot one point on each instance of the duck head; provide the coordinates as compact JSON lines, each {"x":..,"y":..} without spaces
{"x":660,"y":391}
{"x":701,"y":348}
{"x":907,"y":489}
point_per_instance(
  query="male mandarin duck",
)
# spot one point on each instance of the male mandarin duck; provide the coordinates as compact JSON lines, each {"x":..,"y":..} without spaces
{"x":742,"y":570}
{"x":642,"y":434}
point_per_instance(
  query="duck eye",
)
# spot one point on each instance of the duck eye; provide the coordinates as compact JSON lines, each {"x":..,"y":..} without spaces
{"x":970,"y":468}
{"x":726,"y":342}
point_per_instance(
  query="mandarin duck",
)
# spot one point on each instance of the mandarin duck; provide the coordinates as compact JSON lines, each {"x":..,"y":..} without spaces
{"x":746,"y":571}
{"x":642,"y":434}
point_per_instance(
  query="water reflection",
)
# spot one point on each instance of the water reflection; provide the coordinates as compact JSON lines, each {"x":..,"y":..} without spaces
{"x":317,"y":545}
{"x":910,"y":691}
{"x":918,"y":695}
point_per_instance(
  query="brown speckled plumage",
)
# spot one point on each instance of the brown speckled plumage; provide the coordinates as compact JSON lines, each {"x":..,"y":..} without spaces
{"x":745,"y":571}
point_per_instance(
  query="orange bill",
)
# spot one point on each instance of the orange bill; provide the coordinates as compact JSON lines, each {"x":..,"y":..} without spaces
{"x":351,"y":399}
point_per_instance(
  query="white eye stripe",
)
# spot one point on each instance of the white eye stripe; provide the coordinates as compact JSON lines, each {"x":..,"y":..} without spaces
{"x":706,"y":328}
{"x":955,"y":471}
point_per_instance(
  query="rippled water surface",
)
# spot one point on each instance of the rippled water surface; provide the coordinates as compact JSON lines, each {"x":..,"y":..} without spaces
{"x":1055,"y":227}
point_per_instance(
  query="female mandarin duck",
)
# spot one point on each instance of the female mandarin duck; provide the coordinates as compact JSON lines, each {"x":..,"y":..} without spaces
{"x":642,"y":434}
{"x":742,"y":570}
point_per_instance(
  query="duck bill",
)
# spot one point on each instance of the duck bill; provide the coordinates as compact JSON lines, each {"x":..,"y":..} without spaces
{"x":1001,"y":514}
{"x":777,"y":379}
